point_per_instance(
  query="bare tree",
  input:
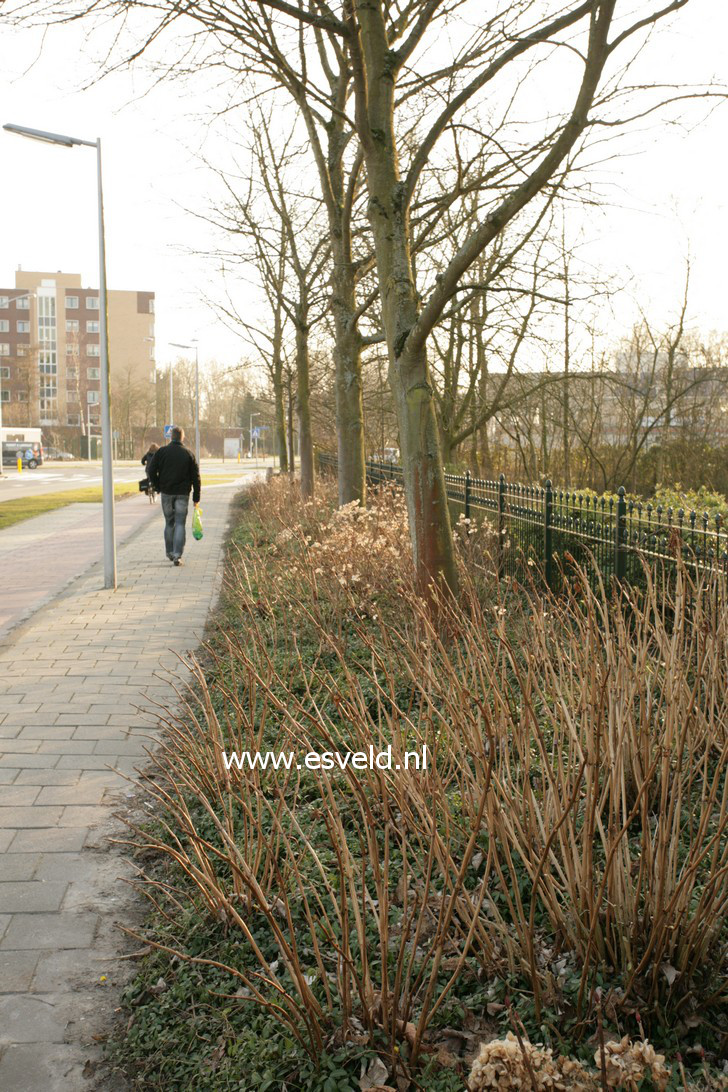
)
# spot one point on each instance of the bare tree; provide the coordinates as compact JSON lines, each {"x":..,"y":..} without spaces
{"x":386,"y":45}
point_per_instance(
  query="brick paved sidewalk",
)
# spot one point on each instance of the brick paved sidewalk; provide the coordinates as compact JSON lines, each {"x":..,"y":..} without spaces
{"x":70,"y":681}
{"x":40,"y":557}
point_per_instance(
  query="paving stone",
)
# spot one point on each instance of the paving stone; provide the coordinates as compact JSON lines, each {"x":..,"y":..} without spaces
{"x":58,"y":1068}
{"x":48,"y":840}
{"x":8,"y":775}
{"x":28,"y":1019}
{"x":14,"y":795}
{"x":80,"y":793}
{"x":29,"y":817}
{"x":16,"y":971}
{"x":31,"y":896}
{"x":34,"y":760}
{"x":98,"y":731}
{"x":20,"y":866}
{"x":78,"y":815}
{"x":66,"y":747}
{"x":35,"y":731}
{"x":18,"y":746}
{"x":49,"y":930}
{"x":45,"y":777}
{"x":123,"y":747}
{"x":85,"y":762}
{"x":71,"y":968}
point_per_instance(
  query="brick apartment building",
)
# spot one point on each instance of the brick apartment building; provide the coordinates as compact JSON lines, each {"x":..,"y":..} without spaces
{"x":50,"y":353}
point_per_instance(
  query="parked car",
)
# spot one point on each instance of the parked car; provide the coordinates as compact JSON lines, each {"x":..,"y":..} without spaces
{"x":388,"y":455}
{"x":30,"y":452}
{"x":56,"y":453}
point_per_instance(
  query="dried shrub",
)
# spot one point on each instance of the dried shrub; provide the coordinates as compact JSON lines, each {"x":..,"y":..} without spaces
{"x":571,"y":824}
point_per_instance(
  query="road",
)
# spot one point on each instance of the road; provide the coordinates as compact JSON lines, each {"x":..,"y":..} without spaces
{"x":60,"y":477}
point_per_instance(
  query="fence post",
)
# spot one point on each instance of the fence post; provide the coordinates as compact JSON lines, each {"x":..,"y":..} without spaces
{"x":548,"y":539}
{"x":467,"y":494}
{"x":620,"y":533}
{"x":501,"y":522}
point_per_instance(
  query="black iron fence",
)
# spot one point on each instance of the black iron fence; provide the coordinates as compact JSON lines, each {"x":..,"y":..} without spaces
{"x":613,"y":536}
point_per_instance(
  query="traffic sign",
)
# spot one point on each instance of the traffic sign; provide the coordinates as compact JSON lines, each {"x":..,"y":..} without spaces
{"x":168,"y":431}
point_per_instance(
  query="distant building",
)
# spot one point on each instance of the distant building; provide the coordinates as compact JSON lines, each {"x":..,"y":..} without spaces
{"x":50,"y":350}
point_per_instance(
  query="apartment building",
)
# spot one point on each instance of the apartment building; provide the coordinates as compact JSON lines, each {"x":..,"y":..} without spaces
{"x":50,"y":350}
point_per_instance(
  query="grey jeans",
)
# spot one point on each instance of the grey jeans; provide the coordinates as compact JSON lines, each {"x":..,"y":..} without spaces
{"x":175,"y":509}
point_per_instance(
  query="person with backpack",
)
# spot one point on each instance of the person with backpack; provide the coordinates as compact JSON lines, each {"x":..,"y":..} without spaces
{"x":174,"y":472}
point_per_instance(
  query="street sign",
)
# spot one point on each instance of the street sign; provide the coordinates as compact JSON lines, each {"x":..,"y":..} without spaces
{"x":168,"y":432}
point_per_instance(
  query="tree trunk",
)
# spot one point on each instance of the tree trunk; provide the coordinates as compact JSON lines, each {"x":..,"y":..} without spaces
{"x":303,"y":405}
{"x":429,"y":519}
{"x":429,"y":516}
{"x":349,"y":403}
{"x":280,"y":420}
{"x":291,"y":451}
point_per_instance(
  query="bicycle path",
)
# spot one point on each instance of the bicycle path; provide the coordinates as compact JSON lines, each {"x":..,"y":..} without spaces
{"x":72,"y":680}
{"x":40,"y":557}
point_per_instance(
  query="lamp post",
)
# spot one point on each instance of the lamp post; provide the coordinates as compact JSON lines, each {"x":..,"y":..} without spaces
{"x":107,"y":472}
{"x":179,"y":345}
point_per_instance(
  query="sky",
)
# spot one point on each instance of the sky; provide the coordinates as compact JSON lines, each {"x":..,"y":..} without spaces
{"x":667,"y":194}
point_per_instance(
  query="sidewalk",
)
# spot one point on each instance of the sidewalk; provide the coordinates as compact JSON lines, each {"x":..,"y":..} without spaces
{"x":72,"y":678}
{"x":40,"y":557}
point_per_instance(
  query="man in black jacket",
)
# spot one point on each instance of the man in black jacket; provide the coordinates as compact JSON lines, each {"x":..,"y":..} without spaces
{"x":173,"y":473}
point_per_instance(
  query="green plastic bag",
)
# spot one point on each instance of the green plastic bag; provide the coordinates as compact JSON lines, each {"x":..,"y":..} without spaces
{"x":197,"y":524}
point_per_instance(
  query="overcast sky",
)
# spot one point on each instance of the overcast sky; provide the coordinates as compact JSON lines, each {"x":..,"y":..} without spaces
{"x":669,"y":192}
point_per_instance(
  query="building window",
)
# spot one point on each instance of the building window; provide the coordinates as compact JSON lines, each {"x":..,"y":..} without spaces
{"x":92,"y":350}
{"x":93,"y":373}
{"x":46,"y":330}
{"x":71,"y":350}
{"x":92,"y":397}
{"x":71,"y":303}
{"x":92,"y":326}
{"x":4,"y":348}
{"x":23,"y":350}
{"x":21,"y":396}
{"x":151,"y":307}
{"x":4,"y":302}
{"x":23,"y":303}
{"x":74,"y":418}
{"x":4,"y":373}
{"x":92,"y":303}
{"x":23,"y":327}
{"x":72,"y":396}
{"x":4,"y":395}
{"x":4,"y":326}
{"x":72,"y":326}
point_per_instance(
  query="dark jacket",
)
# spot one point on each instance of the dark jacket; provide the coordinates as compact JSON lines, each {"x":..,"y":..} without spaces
{"x":147,"y":460}
{"x":174,"y":471}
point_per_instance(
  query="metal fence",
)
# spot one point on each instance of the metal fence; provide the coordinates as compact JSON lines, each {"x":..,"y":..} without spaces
{"x":549,"y":528}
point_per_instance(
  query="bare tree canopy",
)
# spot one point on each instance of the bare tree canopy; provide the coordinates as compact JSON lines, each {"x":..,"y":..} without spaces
{"x":500,"y":102}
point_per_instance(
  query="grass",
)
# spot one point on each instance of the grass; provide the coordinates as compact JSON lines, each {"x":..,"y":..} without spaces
{"x":560,"y":871}
{"x":18,"y":509}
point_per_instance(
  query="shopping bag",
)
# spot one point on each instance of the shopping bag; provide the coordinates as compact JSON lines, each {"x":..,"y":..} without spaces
{"x":197,"y":524}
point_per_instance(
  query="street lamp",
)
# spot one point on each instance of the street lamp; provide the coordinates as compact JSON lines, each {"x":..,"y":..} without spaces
{"x":107,"y":472}
{"x":179,"y":345}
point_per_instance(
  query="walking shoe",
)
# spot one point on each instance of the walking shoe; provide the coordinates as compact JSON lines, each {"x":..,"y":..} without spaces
{"x":178,"y":561}
{"x":171,"y":557}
